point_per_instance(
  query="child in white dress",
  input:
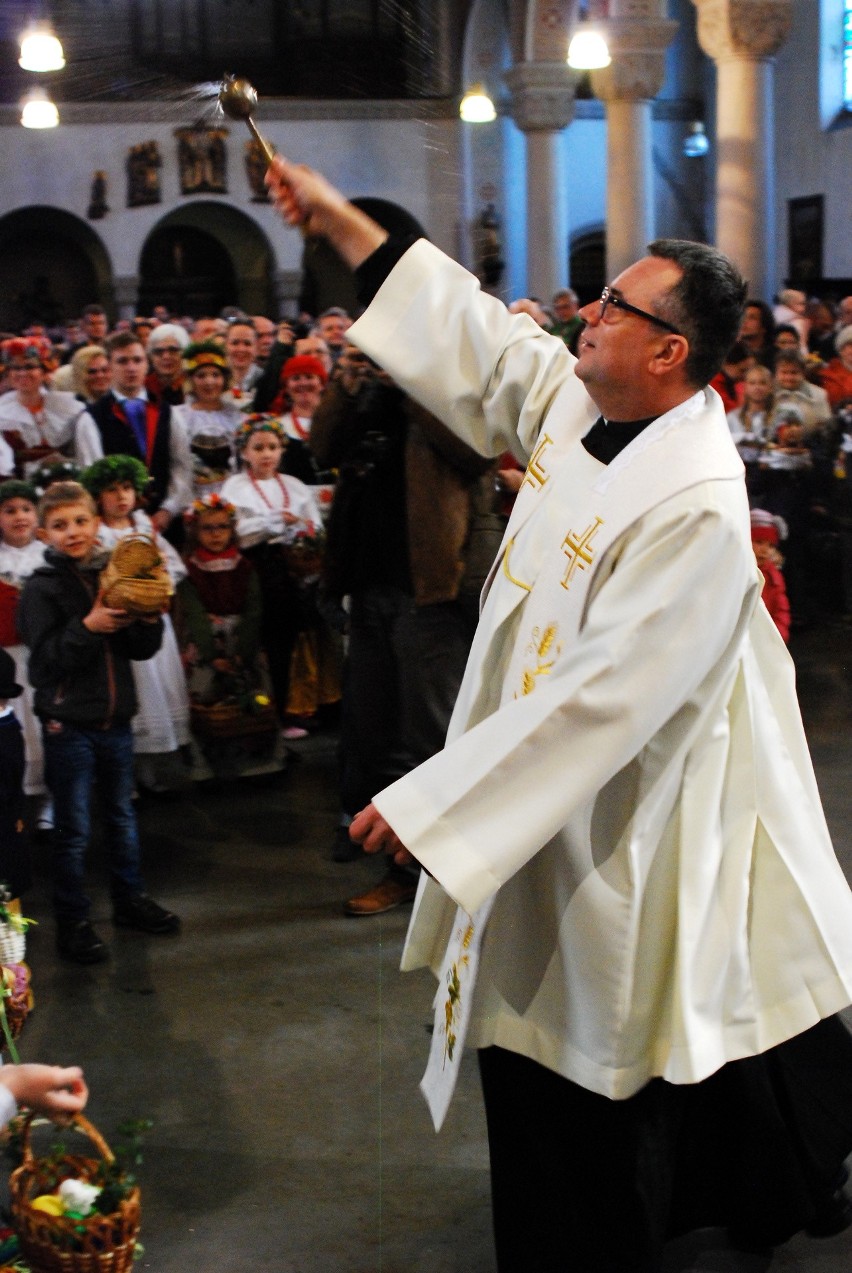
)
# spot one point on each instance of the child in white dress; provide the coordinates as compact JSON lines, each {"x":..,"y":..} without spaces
{"x":21,"y":552}
{"x":272,"y":508}
{"x":161,"y":726}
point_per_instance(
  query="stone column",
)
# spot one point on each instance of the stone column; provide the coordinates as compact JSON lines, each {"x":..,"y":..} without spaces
{"x":542,"y":106}
{"x":638,"y":35}
{"x":742,"y":37}
{"x":126,"y":292}
{"x":286,"y":285}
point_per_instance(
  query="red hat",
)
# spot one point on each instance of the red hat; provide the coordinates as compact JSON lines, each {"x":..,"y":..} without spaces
{"x":304,"y":365}
{"x":767,"y":528}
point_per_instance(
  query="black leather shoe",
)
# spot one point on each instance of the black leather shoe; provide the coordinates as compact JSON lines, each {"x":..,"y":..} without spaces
{"x":77,"y":940}
{"x":141,"y":912}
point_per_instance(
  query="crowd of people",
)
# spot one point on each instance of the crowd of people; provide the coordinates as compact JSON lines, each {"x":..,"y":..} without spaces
{"x":304,"y":507}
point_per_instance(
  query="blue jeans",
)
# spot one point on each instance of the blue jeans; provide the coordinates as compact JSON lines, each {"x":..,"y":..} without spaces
{"x":75,"y":759}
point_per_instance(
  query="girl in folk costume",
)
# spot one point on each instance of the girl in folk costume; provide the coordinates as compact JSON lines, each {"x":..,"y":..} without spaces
{"x":241,"y":351}
{"x":35,"y":421}
{"x":209,"y":421}
{"x":161,"y":725}
{"x":219,"y":603}
{"x":21,"y":552}
{"x":272,"y":510}
{"x":219,"y":609}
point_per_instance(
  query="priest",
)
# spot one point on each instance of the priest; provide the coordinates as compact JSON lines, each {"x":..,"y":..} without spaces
{"x":629,"y":893}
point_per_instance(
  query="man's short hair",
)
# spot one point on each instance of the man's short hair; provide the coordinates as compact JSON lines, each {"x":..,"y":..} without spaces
{"x":334,"y":311}
{"x":61,"y":495}
{"x":121,"y":340}
{"x":91,"y":311}
{"x":706,"y":305}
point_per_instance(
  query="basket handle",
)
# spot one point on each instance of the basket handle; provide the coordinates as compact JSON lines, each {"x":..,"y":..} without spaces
{"x":76,"y":1122}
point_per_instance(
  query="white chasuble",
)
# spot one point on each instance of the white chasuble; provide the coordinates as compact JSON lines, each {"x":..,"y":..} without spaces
{"x":540,"y":583}
{"x":626,"y":781}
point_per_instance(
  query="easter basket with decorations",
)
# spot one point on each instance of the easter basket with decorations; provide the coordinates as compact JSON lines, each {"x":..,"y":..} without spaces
{"x":135,"y":578}
{"x":76,"y":1214}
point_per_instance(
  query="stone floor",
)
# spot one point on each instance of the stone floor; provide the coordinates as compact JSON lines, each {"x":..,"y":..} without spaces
{"x":278,"y":1050}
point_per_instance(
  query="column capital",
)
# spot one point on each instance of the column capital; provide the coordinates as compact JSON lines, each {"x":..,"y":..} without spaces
{"x":743,"y":28}
{"x":542,"y":95}
{"x":637,"y":46}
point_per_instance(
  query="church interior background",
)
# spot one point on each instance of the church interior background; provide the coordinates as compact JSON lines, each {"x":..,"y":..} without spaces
{"x":144,"y":194}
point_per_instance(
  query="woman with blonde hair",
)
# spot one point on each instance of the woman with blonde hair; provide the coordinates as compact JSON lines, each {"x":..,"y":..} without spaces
{"x":90,"y":373}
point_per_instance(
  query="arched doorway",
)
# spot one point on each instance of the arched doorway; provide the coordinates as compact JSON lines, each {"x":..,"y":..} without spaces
{"x":588,"y":265}
{"x":202,"y":257}
{"x":52,"y":264}
{"x":327,"y":279}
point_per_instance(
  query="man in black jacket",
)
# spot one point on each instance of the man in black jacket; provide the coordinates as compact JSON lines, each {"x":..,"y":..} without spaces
{"x":80,"y":652}
{"x":127,"y":421}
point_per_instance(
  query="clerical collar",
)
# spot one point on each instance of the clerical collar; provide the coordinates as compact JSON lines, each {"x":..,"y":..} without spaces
{"x":607,"y":438}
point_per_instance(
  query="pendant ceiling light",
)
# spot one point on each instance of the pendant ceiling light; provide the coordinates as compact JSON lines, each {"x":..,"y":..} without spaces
{"x":476,"y":106}
{"x":41,"y":50}
{"x":38,"y":111}
{"x":588,"y":50}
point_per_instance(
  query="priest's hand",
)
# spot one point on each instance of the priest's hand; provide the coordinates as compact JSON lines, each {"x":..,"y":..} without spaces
{"x":370,"y":830}
{"x":304,"y":198}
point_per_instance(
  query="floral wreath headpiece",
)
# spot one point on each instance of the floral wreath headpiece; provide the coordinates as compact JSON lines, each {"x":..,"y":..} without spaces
{"x":258,"y":422}
{"x":114,"y":468}
{"x":15,"y":489}
{"x":210,"y":504}
{"x":47,"y":474}
{"x":204,"y":353}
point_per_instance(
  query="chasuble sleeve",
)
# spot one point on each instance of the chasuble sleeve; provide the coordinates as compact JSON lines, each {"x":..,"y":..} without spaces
{"x":489,"y":375}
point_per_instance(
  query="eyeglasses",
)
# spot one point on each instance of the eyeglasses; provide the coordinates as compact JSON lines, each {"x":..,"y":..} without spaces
{"x":609,"y":297}
{"x":166,"y":349}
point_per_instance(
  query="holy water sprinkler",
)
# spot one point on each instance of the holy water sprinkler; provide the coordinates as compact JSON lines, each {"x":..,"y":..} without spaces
{"x":238,"y":98}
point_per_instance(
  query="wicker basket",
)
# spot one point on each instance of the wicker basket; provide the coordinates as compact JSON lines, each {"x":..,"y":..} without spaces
{"x":135,"y":578}
{"x":13,"y":945}
{"x":230,"y":720}
{"x":63,"y":1244}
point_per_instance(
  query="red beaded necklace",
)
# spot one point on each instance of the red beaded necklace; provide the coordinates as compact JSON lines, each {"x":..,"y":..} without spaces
{"x":285,"y":494}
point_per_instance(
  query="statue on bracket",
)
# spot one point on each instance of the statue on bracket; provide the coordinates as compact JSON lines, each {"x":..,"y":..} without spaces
{"x":256,"y":166}
{"x":202,"y":159}
{"x":143,"y":174}
{"x":98,"y":206}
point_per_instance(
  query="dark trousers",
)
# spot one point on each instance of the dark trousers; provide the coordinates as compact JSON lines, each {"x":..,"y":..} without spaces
{"x":579,"y":1183}
{"x":584,"y":1184}
{"x":76,"y":759}
{"x":402,"y":675}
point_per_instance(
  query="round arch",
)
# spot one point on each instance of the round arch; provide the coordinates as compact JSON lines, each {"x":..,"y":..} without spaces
{"x":203,"y":256}
{"x":326,"y":279}
{"x":587,"y":267}
{"x":52,"y":264}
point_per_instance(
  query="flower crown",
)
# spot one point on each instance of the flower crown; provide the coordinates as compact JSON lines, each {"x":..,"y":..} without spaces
{"x":257,"y":422}
{"x":205,"y":353}
{"x":210,"y":504}
{"x":47,"y":474}
{"x":15,"y":489}
{"x":114,"y":468}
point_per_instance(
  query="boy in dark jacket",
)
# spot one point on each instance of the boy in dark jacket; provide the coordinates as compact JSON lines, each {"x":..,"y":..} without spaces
{"x":80,"y":652}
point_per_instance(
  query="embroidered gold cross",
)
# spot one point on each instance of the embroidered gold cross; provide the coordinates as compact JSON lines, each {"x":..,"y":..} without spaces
{"x":535,"y":474}
{"x":577,"y":550}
